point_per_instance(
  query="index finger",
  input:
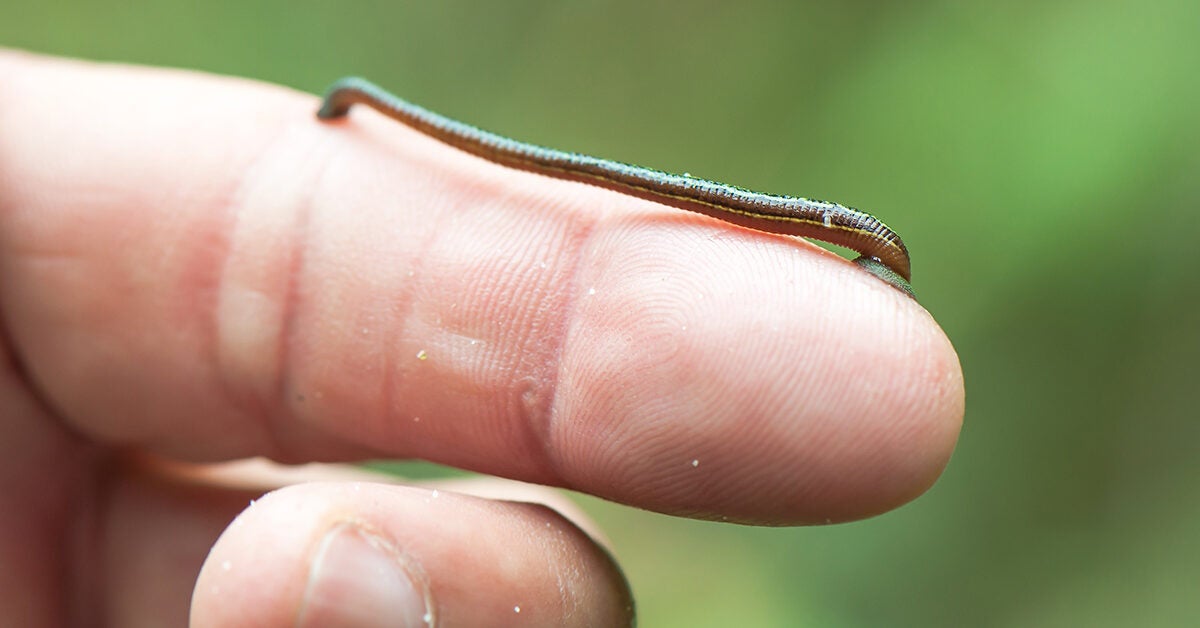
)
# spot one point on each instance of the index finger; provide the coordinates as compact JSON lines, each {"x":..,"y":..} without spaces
{"x":197,"y":266}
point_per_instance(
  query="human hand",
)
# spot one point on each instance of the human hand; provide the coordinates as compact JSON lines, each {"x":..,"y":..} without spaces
{"x":193,"y":268}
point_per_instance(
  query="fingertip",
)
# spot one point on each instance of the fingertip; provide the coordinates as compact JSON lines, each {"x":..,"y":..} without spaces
{"x":369,"y":554}
{"x":915,"y":428}
{"x":697,"y":383}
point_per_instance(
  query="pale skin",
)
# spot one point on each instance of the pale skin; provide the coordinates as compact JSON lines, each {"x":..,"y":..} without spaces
{"x":193,"y":268}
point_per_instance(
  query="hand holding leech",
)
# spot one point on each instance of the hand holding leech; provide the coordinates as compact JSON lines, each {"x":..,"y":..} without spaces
{"x":193,"y":268}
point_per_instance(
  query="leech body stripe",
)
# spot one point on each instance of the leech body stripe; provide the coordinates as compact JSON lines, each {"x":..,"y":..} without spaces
{"x":883,"y":253}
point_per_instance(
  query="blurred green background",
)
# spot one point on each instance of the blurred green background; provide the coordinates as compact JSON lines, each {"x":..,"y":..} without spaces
{"x":1038,"y":157}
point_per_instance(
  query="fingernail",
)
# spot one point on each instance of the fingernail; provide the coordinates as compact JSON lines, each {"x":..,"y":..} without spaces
{"x":359,"y":579}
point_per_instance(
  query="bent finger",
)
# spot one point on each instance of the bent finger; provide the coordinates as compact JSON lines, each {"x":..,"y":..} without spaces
{"x":373,"y":554}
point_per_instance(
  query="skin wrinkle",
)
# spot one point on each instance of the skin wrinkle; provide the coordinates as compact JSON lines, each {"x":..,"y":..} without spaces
{"x":293,"y":394}
{"x":231,"y":205}
{"x":274,"y":405}
{"x":282,"y":403}
{"x":251,"y":401}
{"x":535,"y":386}
{"x":292,"y":387}
{"x":404,"y":302}
{"x":538,"y":420}
{"x":300,"y":242}
{"x":352,"y":136}
{"x":528,"y":385}
{"x":416,"y":263}
{"x":482,"y":285}
{"x":204,"y":275}
{"x":393,"y":318}
{"x":533,"y":382}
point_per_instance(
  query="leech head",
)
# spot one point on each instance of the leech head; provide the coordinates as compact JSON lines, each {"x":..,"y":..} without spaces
{"x":889,"y":276}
